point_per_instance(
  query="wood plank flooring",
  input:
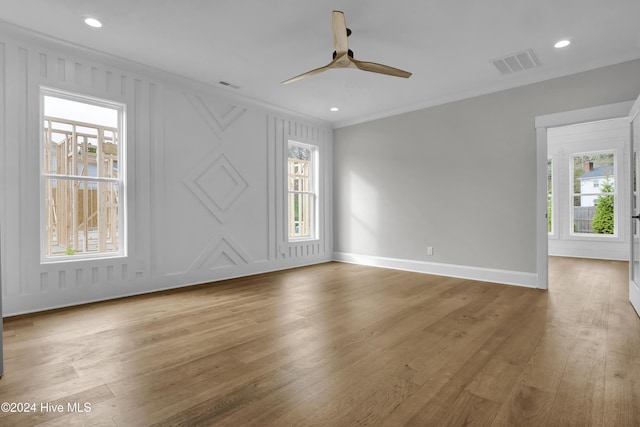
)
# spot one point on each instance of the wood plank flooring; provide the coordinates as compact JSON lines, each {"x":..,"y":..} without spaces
{"x":337,"y":345}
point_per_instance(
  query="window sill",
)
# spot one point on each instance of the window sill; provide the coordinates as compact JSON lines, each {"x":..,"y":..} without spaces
{"x":303,"y":240}
{"x":613,"y":238}
{"x":71,"y":259}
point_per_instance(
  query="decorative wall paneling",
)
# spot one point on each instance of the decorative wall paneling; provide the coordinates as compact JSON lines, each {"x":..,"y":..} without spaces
{"x":204,"y":179}
{"x":281,"y":131}
{"x":3,"y":191}
{"x":32,"y":285}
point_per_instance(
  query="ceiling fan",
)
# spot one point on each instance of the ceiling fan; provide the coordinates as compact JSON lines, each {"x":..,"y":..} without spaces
{"x":343,"y":56}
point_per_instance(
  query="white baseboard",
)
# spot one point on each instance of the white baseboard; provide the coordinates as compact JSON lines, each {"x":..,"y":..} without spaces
{"x":507,"y":277}
{"x":590,"y":254}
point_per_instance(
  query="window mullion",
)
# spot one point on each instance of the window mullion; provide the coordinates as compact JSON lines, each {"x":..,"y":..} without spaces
{"x":80,"y":178}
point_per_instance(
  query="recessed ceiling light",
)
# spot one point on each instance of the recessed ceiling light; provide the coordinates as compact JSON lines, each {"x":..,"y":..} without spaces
{"x":334,"y":109}
{"x":93,"y":22}
{"x":562,"y":43}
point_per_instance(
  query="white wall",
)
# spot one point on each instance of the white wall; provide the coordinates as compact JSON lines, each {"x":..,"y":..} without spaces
{"x":459,"y":177}
{"x":205,"y":178}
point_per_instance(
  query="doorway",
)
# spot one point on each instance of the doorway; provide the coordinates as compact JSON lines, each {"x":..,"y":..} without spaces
{"x":543,"y":124}
{"x":588,"y":190}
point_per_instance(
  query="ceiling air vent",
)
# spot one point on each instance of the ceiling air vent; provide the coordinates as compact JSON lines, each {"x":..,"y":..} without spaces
{"x":516,"y":62}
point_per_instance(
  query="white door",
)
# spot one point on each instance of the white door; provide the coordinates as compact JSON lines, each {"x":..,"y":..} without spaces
{"x":634,"y":267}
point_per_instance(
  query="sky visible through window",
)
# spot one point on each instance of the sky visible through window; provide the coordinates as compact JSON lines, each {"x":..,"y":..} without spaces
{"x":78,"y":111}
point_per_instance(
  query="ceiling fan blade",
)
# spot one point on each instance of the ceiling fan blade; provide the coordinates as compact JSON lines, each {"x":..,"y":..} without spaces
{"x":339,"y":33}
{"x":343,"y":57}
{"x":381,"y":69}
{"x":310,"y":73}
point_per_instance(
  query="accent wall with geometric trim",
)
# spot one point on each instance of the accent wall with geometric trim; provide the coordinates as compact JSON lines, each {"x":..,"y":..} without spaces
{"x":205,"y":185}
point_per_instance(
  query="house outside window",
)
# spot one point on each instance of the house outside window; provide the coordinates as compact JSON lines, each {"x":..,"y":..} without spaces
{"x":594,"y":194}
{"x":592,"y":182}
{"x":82,"y":177}
{"x":302,"y":161}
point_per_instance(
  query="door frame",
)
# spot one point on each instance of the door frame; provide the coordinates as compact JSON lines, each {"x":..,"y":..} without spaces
{"x":542,"y":123}
{"x":634,"y":294}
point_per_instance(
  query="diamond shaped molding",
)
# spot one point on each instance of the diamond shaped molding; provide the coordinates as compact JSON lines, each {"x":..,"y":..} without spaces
{"x":216,"y":183}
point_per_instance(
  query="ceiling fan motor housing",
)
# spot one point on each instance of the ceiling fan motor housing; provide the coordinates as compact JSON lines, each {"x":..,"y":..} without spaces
{"x":349,"y":53}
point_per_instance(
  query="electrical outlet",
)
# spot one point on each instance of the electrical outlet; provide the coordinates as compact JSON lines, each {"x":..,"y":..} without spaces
{"x":429,"y":250}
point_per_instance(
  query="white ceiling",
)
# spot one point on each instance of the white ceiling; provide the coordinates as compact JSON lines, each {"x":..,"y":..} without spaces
{"x":255,"y":44}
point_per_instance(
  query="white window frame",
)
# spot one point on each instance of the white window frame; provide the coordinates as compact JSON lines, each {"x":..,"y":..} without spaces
{"x":553,"y":234}
{"x":314,"y":193}
{"x":120,"y":180}
{"x":616,"y":204}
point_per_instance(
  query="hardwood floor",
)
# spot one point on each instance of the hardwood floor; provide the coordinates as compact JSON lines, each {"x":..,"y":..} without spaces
{"x":337,"y":345}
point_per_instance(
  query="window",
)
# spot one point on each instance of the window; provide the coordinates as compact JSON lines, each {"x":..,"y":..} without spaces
{"x":594,"y":193}
{"x":302,"y":191}
{"x":82,"y":170}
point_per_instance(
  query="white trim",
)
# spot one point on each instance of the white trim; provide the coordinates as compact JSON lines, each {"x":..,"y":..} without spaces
{"x":584,"y":115}
{"x":507,"y":277}
{"x":542,"y":227}
{"x":121,"y":110}
{"x":634,"y":291}
{"x":591,"y":253}
{"x":315,"y":193}
{"x":554,"y":209}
